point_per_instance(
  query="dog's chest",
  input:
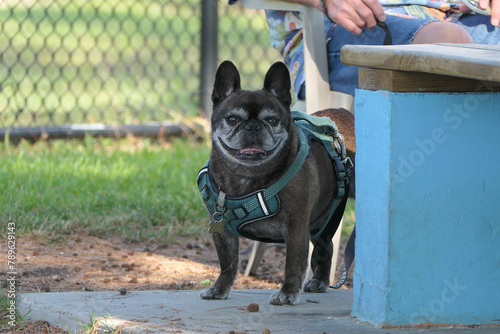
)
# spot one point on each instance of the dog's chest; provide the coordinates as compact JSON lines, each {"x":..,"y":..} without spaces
{"x":271,"y":229}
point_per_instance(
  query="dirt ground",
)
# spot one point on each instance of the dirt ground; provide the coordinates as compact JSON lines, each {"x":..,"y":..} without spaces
{"x":87,"y":263}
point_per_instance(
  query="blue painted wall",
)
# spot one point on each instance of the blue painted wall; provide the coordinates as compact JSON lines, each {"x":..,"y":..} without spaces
{"x":427,"y":208}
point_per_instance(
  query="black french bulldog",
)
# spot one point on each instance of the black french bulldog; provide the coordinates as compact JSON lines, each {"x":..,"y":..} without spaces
{"x":255,"y":146}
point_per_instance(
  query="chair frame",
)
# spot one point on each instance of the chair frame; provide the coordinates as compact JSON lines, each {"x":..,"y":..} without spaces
{"x":318,"y":93}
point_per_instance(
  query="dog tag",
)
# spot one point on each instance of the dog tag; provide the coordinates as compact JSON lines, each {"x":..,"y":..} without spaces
{"x":216,"y":226}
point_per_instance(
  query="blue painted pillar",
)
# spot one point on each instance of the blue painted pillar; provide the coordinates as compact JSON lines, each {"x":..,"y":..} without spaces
{"x":427,"y":208}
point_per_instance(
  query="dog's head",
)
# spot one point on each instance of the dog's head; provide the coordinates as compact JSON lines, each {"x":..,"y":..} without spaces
{"x":251,"y":128}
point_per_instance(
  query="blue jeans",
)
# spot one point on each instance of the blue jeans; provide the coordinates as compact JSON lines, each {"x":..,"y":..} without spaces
{"x":344,"y":78}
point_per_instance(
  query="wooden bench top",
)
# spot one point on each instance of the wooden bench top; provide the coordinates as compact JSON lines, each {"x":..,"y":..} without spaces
{"x":426,"y":67}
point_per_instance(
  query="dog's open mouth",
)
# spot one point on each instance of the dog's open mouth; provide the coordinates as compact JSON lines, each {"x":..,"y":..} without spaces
{"x":252,"y":152}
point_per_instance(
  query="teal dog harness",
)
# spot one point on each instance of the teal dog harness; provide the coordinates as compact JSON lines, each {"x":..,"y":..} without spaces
{"x":232,"y":213}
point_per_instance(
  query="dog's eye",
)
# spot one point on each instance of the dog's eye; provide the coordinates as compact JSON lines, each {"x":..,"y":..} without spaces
{"x":232,"y":120}
{"x":272,"y":121}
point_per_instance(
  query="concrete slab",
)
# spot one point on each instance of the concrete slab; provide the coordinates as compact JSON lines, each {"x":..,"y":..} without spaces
{"x":185,"y":312}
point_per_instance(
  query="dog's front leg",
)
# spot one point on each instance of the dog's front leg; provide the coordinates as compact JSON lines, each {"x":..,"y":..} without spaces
{"x":297,"y":248}
{"x":227,"y":246}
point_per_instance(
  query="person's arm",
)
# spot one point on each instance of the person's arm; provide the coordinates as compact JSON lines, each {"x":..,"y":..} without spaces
{"x":353,"y":15}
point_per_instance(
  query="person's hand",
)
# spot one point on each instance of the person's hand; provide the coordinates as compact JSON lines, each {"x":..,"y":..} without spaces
{"x":495,"y":9}
{"x":354,"y":15}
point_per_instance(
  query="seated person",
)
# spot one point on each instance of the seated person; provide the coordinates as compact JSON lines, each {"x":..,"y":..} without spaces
{"x":355,"y":22}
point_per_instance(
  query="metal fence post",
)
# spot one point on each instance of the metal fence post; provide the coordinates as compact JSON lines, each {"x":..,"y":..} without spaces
{"x":209,"y":25}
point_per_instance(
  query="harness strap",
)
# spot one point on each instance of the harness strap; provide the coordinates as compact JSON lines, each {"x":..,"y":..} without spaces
{"x":237,"y":211}
{"x":388,"y":36}
{"x":274,"y":189}
{"x":321,"y":244}
{"x":327,"y":132}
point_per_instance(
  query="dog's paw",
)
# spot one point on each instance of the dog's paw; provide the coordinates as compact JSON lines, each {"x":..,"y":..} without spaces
{"x":315,"y":285}
{"x":214,"y":293}
{"x":283,"y":299}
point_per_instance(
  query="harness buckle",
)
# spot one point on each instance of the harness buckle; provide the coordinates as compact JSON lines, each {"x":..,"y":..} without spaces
{"x":217,"y":222}
{"x":348,"y":165}
{"x":218,"y":215}
{"x":339,"y":144}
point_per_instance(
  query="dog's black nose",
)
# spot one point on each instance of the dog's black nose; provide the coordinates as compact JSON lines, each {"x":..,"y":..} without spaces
{"x":253,"y":126}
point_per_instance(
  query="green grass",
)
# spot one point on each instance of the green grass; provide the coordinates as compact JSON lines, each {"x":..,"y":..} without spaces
{"x":8,"y":314}
{"x":349,"y":220}
{"x":134,"y":188}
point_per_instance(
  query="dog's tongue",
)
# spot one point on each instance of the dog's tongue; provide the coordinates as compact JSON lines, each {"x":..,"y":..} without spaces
{"x":251,"y":151}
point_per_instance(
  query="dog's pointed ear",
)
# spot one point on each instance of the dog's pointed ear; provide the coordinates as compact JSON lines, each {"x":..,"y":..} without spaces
{"x":277,"y":82}
{"x":227,"y":81}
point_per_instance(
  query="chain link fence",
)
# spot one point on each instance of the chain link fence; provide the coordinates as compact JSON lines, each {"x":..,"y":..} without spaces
{"x":116,"y":62}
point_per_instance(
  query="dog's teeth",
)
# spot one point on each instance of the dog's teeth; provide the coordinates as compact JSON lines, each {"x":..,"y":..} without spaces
{"x":251,"y":151}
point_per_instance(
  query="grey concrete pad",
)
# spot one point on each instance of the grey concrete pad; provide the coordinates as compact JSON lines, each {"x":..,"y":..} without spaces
{"x":185,"y":312}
